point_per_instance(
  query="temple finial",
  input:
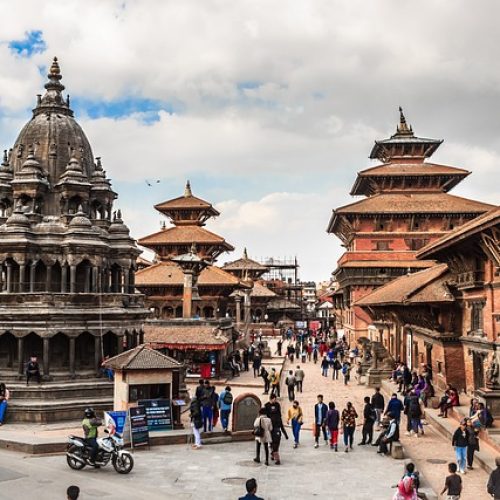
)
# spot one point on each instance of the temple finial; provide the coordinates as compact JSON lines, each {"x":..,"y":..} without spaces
{"x":54,"y":77}
{"x":403,"y":128}
{"x":5,"y":160}
{"x":245,"y":254}
{"x":187,"y":190}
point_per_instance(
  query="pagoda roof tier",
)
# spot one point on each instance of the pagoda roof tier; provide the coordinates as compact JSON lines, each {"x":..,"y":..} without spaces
{"x":404,"y":144}
{"x":259,"y":290}
{"x":404,"y":204}
{"x":184,"y":235}
{"x":246,"y":266}
{"x":438,"y":177}
{"x":167,"y":273}
{"x":184,"y":337}
{"x":427,"y":286}
{"x":187,"y":209}
{"x":470,"y":229}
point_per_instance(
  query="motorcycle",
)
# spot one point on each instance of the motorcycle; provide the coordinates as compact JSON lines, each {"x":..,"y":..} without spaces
{"x":109,"y":449}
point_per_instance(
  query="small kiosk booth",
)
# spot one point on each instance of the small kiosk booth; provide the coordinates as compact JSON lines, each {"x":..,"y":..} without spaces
{"x":148,"y":378}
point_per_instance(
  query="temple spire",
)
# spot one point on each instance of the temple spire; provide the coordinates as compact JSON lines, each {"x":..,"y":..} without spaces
{"x":403,"y":128}
{"x":245,"y":254}
{"x":54,"y":77}
{"x":187,"y":190}
{"x":53,"y":99}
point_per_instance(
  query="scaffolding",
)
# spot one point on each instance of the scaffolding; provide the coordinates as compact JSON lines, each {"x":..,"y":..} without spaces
{"x":281,"y":269}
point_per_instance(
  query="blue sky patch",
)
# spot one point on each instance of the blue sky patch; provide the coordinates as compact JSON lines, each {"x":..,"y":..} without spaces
{"x":120,"y":108}
{"x":33,"y":43}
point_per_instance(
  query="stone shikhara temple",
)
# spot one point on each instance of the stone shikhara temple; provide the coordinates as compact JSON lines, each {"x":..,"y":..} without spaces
{"x":67,"y":263}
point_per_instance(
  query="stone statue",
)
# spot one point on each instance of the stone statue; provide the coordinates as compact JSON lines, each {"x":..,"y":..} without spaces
{"x":492,"y":373}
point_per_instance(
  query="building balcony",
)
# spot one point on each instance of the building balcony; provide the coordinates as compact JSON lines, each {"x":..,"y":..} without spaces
{"x":470,"y":279}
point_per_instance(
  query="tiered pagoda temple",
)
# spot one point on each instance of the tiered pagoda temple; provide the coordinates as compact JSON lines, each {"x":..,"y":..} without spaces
{"x":66,"y":266}
{"x":406,"y":206}
{"x":203,"y":339}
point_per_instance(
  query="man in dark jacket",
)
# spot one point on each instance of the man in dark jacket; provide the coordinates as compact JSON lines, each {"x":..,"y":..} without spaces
{"x":251,"y":487}
{"x":368,"y":421}
{"x":389,"y":436}
{"x":207,"y":403}
{"x":273,"y":411}
{"x":459,"y":441}
{"x":494,"y":481}
{"x":320,"y":411}
{"x":378,"y":404}
{"x":394,"y":407}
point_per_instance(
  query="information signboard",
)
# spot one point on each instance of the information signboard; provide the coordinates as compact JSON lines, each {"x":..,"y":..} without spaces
{"x":139,"y":431}
{"x":158,"y":414}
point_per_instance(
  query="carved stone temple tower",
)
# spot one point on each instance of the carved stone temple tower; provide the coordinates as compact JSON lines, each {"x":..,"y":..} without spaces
{"x":67,"y":266}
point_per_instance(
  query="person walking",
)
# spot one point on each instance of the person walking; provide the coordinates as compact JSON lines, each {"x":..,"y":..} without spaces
{"x":290,"y":382}
{"x":320,"y":411}
{"x":348,"y":419}
{"x":246,"y":358}
{"x":196,"y":422}
{"x":4,"y":401}
{"x":473,"y":444}
{"x":256,"y":364}
{"x":324,"y":366}
{"x":494,"y":481}
{"x":299,"y":378}
{"x":225,"y":405}
{"x":262,"y":431}
{"x":346,"y":372}
{"x":273,"y":411}
{"x":337,"y":367}
{"x":265,"y":377}
{"x":452,"y":483}
{"x":295,"y":416}
{"x":73,"y":492}
{"x":369,"y":417}
{"x":378,"y":404}
{"x":459,"y":441}
{"x":332,"y":422}
{"x":414,"y":414}
{"x":207,"y":405}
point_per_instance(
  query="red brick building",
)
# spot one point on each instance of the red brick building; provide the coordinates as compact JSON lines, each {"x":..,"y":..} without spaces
{"x":406,"y":205}
{"x":449,"y":315}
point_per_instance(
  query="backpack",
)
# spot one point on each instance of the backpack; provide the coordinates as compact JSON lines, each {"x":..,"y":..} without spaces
{"x":228,"y":398}
{"x":344,"y":369}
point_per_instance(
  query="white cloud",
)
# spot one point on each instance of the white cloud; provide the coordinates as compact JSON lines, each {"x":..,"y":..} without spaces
{"x":275,"y":96}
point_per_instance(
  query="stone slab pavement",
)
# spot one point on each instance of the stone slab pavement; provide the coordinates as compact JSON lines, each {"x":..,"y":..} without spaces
{"x":215,"y":471}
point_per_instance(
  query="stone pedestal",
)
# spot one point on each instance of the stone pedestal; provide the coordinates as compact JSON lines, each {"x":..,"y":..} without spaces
{"x":491,"y":399}
{"x":374,"y":376}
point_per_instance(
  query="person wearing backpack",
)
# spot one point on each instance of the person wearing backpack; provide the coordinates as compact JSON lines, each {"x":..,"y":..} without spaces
{"x":225,"y":405}
{"x":346,"y":371}
{"x":290,"y":382}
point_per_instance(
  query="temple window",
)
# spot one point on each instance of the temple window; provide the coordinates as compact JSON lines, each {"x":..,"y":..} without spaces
{"x":477,"y":316}
{"x":383,"y":245}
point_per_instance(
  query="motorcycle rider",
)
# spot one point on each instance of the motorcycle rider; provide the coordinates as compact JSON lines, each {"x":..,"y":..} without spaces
{"x":90,"y":423}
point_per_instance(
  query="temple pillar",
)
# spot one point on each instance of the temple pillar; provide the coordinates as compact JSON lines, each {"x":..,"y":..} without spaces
{"x":237,"y":300}
{"x":72,"y":355}
{"x":22,"y":272}
{"x":141,"y":338}
{"x":88,"y":271}
{"x":32,"y":276}
{"x":20,"y":355}
{"x":9,"y":277}
{"x":64,"y":278}
{"x":126,"y":281}
{"x":119,"y":343}
{"x":48,"y":280}
{"x":97,"y":353}
{"x":93,"y":286}
{"x":72,"y":279}
{"x":131,"y":281}
{"x":187,"y":296}
{"x":46,"y":357}
{"x":247,"y":306}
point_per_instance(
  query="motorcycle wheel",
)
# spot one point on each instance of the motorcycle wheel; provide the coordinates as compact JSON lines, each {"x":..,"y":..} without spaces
{"x":75,"y":464}
{"x":123,"y":464}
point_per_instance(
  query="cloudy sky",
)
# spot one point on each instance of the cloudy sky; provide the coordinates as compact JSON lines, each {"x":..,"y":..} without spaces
{"x":269,"y":107}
